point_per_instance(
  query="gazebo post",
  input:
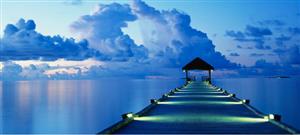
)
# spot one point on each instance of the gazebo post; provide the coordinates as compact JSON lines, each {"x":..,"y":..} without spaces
{"x":209,"y":76}
{"x":186,"y":75}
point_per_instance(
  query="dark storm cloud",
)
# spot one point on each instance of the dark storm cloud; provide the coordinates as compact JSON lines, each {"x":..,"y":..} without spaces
{"x":169,"y":41}
{"x":22,"y":42}
{"x":290,"y":55}
{"x":256,"y":35}
{"x":272,"y":22}
{"x":263,"y":64}
{"x":234,"y":54}
{"x":173,"y":41}
{"x":236,"y":35}
{"x":281,"y":39}
{"x":246,"y":47}
{"x":256,"y":54}
{"x":257,"y":32}
{"x":285,"y":46}
{"x":265,"y":68}
{"x":294,"y":30}
{"x":239,"y":46}
{"x":260,"y":44}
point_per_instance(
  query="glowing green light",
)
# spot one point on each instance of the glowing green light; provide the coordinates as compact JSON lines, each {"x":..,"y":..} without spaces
{"x":199,"y":102}
{"x":128,"y":115}
{"x":272,"y":117}
{"x":199,"y":92}
{"x":231,"y":95}
{"x":153,"y":101}
{"x":165,"y":95}
{"x":147,"y":118}
{"x":249,"y":119}
{"x":191,"y":118}
{"x":200,"y":96}
{"x":245,"y":101}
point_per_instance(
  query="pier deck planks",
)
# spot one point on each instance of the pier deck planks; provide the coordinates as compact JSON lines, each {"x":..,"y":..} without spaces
{"x":199,"y":108}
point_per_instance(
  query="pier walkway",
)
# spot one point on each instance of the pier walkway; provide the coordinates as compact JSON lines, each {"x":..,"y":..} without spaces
{"x":199,"y":108}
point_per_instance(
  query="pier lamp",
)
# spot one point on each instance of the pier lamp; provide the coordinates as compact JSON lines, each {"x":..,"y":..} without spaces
{"x":128,"y":115}
{"x":171,"y":93}
{"x":231,"y":95}
{"x":245,"y":101}
{"x":153,"y":101}
{"x":165,"y":95}
{"x":273,"y":117}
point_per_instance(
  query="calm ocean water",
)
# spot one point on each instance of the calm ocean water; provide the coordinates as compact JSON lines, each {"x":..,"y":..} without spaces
{"x":269,"y":95}
{"x":74,"y":106}
{"x":88,"y":106}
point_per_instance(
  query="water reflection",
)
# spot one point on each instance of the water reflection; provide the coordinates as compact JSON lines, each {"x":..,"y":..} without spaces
{"x":88,"y":106}
{"x":269,"y":95}
{"x":1,"y":107}
{"x":77,"y":106}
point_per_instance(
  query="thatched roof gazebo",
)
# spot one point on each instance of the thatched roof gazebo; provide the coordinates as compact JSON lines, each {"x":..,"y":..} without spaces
{"x":198,"y":64}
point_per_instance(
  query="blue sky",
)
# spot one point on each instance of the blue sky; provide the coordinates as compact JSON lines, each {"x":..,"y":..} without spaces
{"x":236,"y":29}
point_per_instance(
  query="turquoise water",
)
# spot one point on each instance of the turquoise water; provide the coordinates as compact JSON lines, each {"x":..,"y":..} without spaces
{"x":88,"y":106}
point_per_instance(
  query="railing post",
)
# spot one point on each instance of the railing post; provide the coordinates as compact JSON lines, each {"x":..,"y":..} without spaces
{"x":209,"y":76}
{"x":186,"y":76}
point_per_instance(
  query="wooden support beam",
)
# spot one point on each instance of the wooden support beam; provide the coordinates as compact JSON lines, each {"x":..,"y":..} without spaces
{"x":209,"y":76}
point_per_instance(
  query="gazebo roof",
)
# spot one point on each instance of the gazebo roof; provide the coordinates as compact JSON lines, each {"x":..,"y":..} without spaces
{"x":198,"y":64}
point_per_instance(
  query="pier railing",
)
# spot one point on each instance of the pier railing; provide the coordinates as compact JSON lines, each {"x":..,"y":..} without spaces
{"x":189,"y":96}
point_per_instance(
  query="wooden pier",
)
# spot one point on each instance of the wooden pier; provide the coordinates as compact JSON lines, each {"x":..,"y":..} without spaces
{"x":200,"y":108}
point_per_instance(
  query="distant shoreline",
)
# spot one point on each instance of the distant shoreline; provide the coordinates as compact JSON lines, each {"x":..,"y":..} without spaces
{"x":279,"y":77}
